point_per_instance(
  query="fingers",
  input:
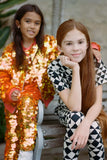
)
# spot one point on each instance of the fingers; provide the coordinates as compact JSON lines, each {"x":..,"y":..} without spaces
{"x":74,"y":142}
{"x":78,"y":143}
{"x":64,"y":59}
{"x":14,"y":95}
{"x":97,"y":54}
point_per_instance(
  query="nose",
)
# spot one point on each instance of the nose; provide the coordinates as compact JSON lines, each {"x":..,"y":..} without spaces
{"x":32,"y":25}
{"x":75,"y":47}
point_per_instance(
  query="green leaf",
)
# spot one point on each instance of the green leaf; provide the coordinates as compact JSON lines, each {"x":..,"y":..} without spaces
{"x":10,"y":3}
{"x":4,"y":35}
{"x":7,"y":14}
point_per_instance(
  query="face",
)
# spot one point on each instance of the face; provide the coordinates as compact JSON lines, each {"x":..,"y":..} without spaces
{"x":29,"y":25}
{"x":74,"y":45}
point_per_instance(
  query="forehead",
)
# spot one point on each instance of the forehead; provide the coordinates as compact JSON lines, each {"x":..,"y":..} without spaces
{"x":74,"y":35}
{"x":32,"y":15}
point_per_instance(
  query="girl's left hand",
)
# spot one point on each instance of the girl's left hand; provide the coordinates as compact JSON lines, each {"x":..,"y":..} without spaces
{"x":80,"y":136}
{"x":97,"y":55}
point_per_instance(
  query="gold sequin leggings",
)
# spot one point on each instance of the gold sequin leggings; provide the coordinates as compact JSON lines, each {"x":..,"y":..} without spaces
{"x":21,"y":128}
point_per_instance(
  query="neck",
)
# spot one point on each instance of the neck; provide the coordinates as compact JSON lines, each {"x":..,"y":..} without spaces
{"x":28,"y":44}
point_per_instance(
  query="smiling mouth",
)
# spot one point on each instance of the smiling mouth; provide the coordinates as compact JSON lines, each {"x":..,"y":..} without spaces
{"x":31,"y":32}
{"x":75,"y":55}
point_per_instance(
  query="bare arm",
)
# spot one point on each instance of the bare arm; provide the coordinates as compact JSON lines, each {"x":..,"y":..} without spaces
{"x":94,"y":111}
{"x":79,"y":135}
{"x":70,"y":96}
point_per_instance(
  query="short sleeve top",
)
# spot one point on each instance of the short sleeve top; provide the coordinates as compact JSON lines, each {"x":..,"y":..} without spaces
{"x":61,"y":76}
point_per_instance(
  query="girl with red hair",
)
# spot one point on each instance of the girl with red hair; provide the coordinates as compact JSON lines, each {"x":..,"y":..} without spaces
{"x":78,"y":78}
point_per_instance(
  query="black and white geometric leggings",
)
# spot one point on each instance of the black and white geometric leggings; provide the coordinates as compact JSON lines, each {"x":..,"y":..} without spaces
{"x":95,"y":144}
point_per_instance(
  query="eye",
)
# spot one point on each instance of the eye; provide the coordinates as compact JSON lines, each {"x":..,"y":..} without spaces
{"x":80,"y":42}
{"x":68,"y":43}
{"x":38,"y":23}
{"x":27,"y":21}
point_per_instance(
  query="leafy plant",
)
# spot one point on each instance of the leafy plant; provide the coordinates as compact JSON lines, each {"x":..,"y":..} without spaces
{"x":4,"y":28}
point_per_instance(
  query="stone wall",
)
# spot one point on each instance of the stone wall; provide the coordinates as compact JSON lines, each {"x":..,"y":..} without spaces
{"x":92,"y":13}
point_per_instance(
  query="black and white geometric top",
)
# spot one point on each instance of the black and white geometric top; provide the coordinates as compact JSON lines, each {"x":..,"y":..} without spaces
{"x":61,"y":76}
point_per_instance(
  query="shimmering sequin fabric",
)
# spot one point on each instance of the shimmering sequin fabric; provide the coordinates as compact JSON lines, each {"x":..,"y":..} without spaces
{"x":21,"y":125}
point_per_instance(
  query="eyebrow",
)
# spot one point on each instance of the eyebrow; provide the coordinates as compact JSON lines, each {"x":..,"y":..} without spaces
{"x":27,"y":18}
{"x":82,"y":39}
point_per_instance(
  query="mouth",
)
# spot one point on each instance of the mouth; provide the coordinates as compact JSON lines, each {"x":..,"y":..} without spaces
{"x":76,"y":55}
{"x":31,"y":32}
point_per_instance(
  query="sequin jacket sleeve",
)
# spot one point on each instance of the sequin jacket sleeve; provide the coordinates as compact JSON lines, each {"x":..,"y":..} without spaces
{"x":6,"y":63}
{"x":50,"y":52}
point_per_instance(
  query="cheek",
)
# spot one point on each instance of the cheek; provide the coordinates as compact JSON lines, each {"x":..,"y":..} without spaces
{"x":66,"y":50}
{"x":23,"y":28}
{"x":84,"y":48}
{"x":37,"y":29}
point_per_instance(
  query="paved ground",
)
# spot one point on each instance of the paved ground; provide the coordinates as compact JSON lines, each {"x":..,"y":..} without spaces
{"x":83,"y":155}
{"x":2,"y":151}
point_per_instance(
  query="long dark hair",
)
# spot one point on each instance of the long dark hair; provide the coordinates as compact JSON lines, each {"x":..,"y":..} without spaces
{"x":17,"y":36}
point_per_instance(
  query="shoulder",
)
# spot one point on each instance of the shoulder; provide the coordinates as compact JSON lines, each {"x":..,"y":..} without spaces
{"x":55,"y":64}
{"x":48,"y":38}
{"x":8,"y":50}
{"x":56,"y":67}
{"x":50,"y":49}
{"x":101,"y":73}
{"x":50,"y":41}
{"x":100,"y":65}
{"x":9,"y":47}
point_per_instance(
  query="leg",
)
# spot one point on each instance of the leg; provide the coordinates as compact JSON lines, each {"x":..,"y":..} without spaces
{"x":25,"y":155}
{"x":95,"y":144}
{"x":12,"y":143}
{"x":28,"y":126}
{"x":73,"y":120}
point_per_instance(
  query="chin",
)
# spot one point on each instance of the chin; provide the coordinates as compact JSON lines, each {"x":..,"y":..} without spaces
{"x":76,"y":61}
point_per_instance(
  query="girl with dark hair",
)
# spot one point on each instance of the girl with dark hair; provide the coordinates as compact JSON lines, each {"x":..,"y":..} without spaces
{"x":78,"y":78}
{"x":23,"y":80}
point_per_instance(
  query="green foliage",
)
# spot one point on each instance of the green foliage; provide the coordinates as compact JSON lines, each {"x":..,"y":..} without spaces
{"x":7,"y":14}
{"x":4,"y":29}
{"x":4,"y":35}
{"x":9,"y":3}
{"x":2,"y":123}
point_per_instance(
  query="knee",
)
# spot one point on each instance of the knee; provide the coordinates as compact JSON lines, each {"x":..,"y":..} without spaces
{"x":75,"y":116}
{"x":73,"y":121}
{"x":95,"y":128}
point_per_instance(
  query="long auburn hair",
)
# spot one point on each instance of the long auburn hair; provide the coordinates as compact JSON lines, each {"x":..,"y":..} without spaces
{"x":17,"y":35}
{"x":87,"y":70}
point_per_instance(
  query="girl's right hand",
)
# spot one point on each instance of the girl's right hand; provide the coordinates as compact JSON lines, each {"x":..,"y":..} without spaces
{"x":67,"y":62}
{"x":80,"y":136}
{"x":15,"y":94}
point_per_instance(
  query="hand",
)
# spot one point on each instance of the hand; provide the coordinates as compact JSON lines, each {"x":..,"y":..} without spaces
{"x":67,"y":62}
{"x":80,"y":136}
{"x":97,"y":55}
{"x":15,"y":94}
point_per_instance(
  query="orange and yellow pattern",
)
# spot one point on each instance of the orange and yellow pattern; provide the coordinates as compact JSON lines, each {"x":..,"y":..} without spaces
{"x":21,"y":116}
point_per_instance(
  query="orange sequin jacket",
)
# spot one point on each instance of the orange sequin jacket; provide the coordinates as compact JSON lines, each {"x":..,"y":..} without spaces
{"x":11,"y":78}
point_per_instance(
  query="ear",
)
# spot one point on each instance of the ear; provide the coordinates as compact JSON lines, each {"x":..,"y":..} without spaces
{"x":17,"y":24}
{"x":59,"y":48}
